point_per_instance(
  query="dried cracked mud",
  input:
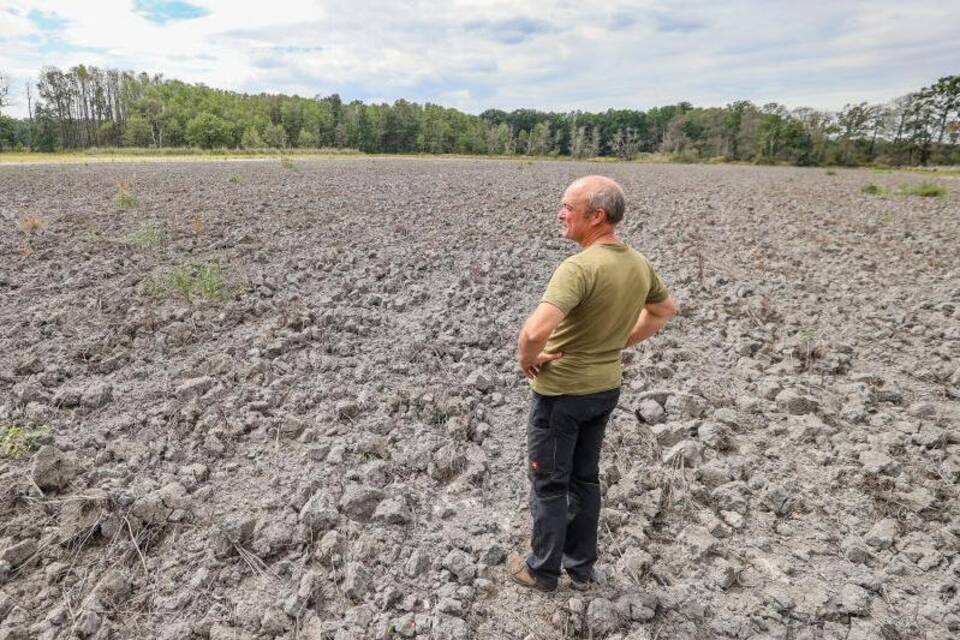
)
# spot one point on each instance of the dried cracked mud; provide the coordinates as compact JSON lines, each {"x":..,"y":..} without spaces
{"x":281,"y":402}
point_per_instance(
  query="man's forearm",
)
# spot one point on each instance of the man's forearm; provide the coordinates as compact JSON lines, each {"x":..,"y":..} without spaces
{"x":528,"y":349}
{"x":647,"y":325}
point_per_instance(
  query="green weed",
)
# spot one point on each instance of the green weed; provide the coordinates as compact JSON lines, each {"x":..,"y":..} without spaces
{"x":872,"y":190}
{"x":148,"y":236}
{"x":831,"y":172}
{"x":17,"y":441}
{"x":233,"y":178}
{"x":191,"y":280}
{"x":924,"y":189}
{"x":288,"y":164}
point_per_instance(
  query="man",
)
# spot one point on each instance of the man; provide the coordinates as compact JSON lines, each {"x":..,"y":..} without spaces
{"x":599,"y":301}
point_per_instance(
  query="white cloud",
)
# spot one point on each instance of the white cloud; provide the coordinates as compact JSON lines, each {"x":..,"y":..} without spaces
{"x":474,"y":55}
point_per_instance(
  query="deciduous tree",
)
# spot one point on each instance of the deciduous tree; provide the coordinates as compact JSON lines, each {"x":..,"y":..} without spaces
{"x":209,"y":131}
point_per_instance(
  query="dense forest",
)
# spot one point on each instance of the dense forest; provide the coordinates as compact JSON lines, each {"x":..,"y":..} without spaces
{"x":90,"y":107}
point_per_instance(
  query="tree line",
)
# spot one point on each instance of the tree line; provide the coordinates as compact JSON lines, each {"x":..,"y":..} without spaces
{"x":87,"y":107}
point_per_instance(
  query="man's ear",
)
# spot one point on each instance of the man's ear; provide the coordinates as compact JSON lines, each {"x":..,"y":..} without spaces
{"x":602,"y":217}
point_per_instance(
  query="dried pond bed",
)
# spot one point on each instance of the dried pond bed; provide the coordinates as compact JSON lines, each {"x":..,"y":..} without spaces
{"x":274,"y":400}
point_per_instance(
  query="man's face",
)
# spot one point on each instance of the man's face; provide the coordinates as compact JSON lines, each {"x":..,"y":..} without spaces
{"x":574,"y":215}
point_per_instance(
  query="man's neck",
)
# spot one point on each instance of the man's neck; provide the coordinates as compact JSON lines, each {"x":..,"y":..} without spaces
{"x":606,"y":237}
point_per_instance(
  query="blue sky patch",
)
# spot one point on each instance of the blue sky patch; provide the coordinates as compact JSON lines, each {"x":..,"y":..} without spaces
{"x":162,"y":12}
{"x":621,"y":21}
{"x":428,"y":89}
{"x":58,"y":45}
{"x":510,"y":30}
{"x":672,"y":24}
{"x":47,"y":20}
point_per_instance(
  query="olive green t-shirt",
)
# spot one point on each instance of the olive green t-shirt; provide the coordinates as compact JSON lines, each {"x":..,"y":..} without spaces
{"x":601,"y":290}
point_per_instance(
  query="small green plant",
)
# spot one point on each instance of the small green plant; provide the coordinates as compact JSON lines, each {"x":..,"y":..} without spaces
{"x":887,"y":218}
{"x":126,"y":199}
{"x":288,"y":164}
{"x":191,"y":280}
{"x":148,"y":236}
{"x":924,"y":189}
{"x":233,"y":178}
{"x":17,"y":441}
{"x":831,"y":172}
{"x":872,"y":189}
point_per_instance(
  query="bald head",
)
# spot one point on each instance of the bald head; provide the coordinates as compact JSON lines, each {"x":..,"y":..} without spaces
{"x":600,"y":192}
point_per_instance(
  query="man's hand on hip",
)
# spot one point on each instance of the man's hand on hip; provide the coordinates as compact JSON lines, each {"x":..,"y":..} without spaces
{"x":531,"y":369}
{"x":533,"y":339}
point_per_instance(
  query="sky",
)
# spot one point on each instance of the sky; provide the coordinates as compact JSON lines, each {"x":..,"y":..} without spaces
{"x":474,"y":55}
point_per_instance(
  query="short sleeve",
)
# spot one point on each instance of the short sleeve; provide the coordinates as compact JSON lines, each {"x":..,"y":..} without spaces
{"x":657,"y":292}
{"x":567,"y":287}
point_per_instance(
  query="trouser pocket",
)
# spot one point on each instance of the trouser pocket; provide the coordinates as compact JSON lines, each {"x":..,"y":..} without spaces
{"x":541,"y":440}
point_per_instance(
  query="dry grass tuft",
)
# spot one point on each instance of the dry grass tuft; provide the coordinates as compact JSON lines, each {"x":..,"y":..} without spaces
{"x":196,"y":223}
{"x":809,"y":349}
{"x":126,"y":199}
{"x":32,"y":224}
{"x":883,"y":492}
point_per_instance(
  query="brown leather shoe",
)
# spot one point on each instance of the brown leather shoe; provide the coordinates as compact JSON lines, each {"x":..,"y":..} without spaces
{"x":520,"y":573}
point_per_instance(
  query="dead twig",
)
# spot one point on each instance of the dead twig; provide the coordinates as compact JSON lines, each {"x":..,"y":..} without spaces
{"x":133,"y":539}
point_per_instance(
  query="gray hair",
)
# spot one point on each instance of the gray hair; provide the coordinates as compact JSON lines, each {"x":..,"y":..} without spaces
{"x":609,"y":197}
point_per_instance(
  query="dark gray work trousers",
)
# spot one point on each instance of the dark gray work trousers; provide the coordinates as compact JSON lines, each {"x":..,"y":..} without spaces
{"x":564,"y":436}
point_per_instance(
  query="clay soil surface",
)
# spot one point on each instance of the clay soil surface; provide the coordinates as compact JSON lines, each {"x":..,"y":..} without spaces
{"x":257,"y":400}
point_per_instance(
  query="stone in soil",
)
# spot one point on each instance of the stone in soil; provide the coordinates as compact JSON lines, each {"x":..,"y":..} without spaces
{"x":792,"y":402}
{"x":17,"y":554}
{"x":97,"y":395}
{"x":320,"y":512}
{"x":603,"y":618}
{"x":460,"y":565}
{"x":877,"y":463}
{"x":392,"y":511}
{"x":356,"y":581}
{"x":360,"y":501}
{"x":650,"y":411}
{"x":53,"y":469}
